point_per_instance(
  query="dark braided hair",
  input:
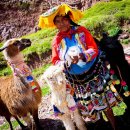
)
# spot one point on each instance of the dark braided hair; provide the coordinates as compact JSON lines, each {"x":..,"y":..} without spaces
{"x":68,"y":16}
{"x":71,"y":22}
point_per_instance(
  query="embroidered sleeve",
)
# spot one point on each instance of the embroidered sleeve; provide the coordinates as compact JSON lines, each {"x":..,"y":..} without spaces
{"x":92,"y":49}
{"x":55,"y":56}
{"x":55,"y":51}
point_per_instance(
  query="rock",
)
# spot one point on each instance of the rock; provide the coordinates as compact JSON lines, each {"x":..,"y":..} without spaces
{"x":25,"y":20}
{"x":2,"y":121}
{"x":124,"y":36}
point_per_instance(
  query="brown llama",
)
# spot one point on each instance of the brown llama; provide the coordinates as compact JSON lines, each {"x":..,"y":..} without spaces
{"x":20,"y":92}
{"x":5,"y":112}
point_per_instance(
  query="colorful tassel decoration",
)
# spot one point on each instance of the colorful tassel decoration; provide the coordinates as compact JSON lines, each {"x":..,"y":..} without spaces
{"x":57,"y":111}
{"x":31,"y":82}
{"x":35,"y":88}
{"x":114,"y":78}
{"x":117,"y":82}
{"x":113,"y":88}
{"x":112,"y":72}
{"x":123,"y":83}
{"x":125,"y":87}
{"x":127,"y":93}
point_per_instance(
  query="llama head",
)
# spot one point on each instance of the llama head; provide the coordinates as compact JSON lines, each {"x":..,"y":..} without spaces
{"x":74,"y":54}
{"x":112,"y":47}
{"x":54,"y":77}
{"x":13,"y":46}
{"x":109,"y":42}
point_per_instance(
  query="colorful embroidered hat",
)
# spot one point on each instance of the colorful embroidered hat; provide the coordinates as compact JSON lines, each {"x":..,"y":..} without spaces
{"x":46,"y":19}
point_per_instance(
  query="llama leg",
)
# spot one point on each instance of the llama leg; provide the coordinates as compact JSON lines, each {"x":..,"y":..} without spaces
{"x":28,"y":120}
{"x":19,"y":122}
{"x":110,"y":116}
{"x":36,"y":119}
{"x":10,"y":124}
{"x":79,"y":120}
{"x":67,"y":121}
{"x":127,"y":111}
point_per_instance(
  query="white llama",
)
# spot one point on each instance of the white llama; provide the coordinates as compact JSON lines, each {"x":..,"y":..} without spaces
{"x":62,"y":99}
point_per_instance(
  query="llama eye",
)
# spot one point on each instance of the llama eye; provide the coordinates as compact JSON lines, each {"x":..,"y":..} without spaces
{"x":50,"y":78}
{"x":16,"y":43}
{"x":25,"y":40}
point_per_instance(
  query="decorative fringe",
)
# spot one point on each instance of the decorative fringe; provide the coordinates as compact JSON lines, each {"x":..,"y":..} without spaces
{"x":32,"y":83}
{"x":116,"y":81}
{"x":57,"y":111}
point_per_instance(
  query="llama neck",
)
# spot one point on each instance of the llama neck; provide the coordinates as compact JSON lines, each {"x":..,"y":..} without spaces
{"x":16,"y":59}
{"x":59,"y":94}
{"x":18,"y":65}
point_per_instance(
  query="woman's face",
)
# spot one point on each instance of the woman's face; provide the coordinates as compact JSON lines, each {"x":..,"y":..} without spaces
{"x":62,"y":23}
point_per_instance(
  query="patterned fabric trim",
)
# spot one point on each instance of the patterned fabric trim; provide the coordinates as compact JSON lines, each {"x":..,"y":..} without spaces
{"x":95,"y":90}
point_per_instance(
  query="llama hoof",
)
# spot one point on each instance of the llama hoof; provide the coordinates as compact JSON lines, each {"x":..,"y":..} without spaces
{"x":25,"y":128}
{"x":39,"y":128}
{"x":22,"y":128}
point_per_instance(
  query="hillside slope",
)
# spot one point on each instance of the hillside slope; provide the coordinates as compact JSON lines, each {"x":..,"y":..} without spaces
{"x":20,"y":17}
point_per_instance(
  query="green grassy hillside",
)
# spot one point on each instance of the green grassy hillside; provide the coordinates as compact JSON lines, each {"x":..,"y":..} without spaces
{"x":106,"y":16}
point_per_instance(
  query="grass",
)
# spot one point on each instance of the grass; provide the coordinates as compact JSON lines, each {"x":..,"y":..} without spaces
{"x":45,"y":90}
{"x":39,"y":47}
{"x":41,"y":41}
{"x":106,"y":16}
{"x":5,"y":126}
{"x":126,"y":41}
{"x":5,"y":71}
{"x":39,"y":71}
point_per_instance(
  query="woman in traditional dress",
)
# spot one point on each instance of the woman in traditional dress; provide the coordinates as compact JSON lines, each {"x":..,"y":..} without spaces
{"x":86,"y":71}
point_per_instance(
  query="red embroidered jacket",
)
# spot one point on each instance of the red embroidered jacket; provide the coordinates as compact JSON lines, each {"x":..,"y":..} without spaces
{"x":88,"y":42}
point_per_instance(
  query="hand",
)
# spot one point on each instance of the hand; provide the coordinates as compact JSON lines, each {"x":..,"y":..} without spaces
{"x":87,"y":56}
{"x":75,"y":59}
{"x":61,"y":64}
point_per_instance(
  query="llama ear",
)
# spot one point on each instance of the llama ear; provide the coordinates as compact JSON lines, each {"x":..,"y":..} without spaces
{"x":62,"y":67}
{"x":105,"y":34}
{"x":2,"y":48}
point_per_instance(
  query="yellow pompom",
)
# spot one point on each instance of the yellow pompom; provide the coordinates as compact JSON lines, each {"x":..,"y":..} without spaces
{"x":127,"y":93}
{"x":117,"y":82}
